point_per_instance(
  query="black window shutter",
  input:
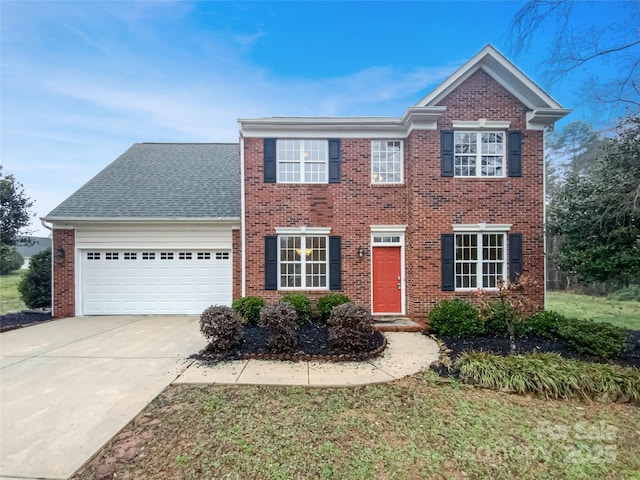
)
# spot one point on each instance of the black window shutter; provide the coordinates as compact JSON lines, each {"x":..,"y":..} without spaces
{"x":269,"y":160}
{"x":446,"y":153}
{"x":515,"y":256}
{"x":334,"y":160}
{"x":515,"y":153}
{"x":271,"y":262}
{"x":335,"y":263}
{"x":448,"y":262}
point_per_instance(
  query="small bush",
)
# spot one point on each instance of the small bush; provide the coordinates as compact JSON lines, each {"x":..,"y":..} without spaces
{"x":222,"y":327}
{"x":550,"y":376}
{"x":249,"y":308}
{"x":546,"y":324}
{"x":35,"y":286}
{"x":10,"y":260}
{"x":350,"y":328}
{"x":497,"y":317}
{"x":327,"y":303}
{"x":600,"y":339}
{"x":281,"y":320}
{"x":456,"y":318}
{"x":301,"y":304}
{"x":627,"y":294}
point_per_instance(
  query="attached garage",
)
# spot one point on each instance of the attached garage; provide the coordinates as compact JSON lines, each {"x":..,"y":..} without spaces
{"x":150,"y":281}
{"x":151,"y":234}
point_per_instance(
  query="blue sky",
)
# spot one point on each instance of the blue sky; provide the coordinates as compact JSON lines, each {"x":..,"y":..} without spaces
{"x":82,"y":81}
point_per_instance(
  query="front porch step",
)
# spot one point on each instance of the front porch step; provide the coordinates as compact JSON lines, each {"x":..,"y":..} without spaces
{"x":397,"y":324}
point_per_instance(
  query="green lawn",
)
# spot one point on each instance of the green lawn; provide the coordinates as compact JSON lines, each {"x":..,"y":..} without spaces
{"x":10,"y":300}
{"x":421,"y":427}
{"x":599,"y":309}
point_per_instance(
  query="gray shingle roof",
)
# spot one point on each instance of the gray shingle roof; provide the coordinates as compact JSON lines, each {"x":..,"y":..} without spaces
{"x":164,"y":180}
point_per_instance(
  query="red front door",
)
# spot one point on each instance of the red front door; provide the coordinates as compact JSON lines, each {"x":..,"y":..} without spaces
{"x":387,"y":295}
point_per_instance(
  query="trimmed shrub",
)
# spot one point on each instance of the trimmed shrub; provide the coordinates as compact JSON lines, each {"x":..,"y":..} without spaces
{"x":497,"y":317}
{"x":222,"y":327}
{"x":350,"y":328}
{"x":35,"y":286}
{"x":594,"y":338}
{"x":550,"y":376}
{"x":546,"y":324}
{"x":301,"y":304}
{"x":456,"y":318}
{"x":281,"y":320}
{"x":10,"y":260}
{"x":627,"y":294}
{"x":249,"y":308}
{"x":329,"y":301}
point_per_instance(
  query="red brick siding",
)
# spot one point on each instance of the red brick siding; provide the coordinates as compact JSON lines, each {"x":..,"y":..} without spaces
{"x":64,"y":300}
{"x":237,"y":263}
{"x":428,"y":203}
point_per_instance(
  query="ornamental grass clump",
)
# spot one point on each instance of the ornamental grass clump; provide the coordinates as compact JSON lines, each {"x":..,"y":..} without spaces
{"x":350,"y":328}
{"x":222,"y":327}
{"x":281,"y":320}
{"x":548,"y":375}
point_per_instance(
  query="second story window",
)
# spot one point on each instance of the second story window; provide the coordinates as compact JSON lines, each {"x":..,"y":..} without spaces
{"x":479,"y":154}
{"x":386,"y":161}
{"x":302,"y":161}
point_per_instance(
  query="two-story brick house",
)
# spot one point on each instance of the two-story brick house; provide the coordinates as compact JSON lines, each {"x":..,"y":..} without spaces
{"x":396,"y":212}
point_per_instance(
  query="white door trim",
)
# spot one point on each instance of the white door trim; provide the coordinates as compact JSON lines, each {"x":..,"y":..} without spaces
{"x":385,"y":236}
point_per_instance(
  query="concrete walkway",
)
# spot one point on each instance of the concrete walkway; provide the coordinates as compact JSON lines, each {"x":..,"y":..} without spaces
{"x":68,"y":386}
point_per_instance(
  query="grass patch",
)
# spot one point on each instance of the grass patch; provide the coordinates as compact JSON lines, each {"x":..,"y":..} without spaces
{"x":548,"y":375}
{"x":10,"y":299}
{"x":625,"y":314}
{"x":422,"y":427}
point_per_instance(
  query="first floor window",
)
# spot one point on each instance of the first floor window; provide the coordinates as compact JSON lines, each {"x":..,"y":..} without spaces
{"x":479,"y":154}
{"x":302,"y":161}
{"x":302,"y":261}
{"x":480,"y":260}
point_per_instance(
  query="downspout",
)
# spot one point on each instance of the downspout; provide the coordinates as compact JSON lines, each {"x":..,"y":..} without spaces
{"x":243,"y":254}
{"x":44,"y":224}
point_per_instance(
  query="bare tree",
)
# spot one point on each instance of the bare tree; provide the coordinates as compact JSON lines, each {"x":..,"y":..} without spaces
{"x":609,"y":51}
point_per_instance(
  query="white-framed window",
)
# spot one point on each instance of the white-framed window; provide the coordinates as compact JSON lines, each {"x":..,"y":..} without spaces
{"x":303,"y":261}
{"x":302,"y":161}
{"x":479,"y":154}
{"x":480,"y":260}
{"x":386,"y":161}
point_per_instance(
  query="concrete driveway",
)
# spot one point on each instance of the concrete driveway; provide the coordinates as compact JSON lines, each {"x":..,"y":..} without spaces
{"x":68,"y":386}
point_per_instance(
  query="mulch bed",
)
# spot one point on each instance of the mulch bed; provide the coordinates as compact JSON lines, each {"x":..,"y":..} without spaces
{"x":11,"y":321}
{"x":313,"y":344}
{"x":533,"y":343}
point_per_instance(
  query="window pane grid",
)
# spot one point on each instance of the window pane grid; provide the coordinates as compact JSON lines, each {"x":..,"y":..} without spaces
{"x":479,"y":154}
{"x":302,"y":161}
{"x":386,"y":161}
{"x":303,"y":262}
{"x":479,"y":260}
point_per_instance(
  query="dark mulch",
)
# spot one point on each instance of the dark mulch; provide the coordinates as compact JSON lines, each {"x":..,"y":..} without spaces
{"x":11,"y":321}
{"x":534,"y":343}
{"x":313,"y":339}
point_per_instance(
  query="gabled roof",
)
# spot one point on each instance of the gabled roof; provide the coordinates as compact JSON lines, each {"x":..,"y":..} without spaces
{"x":543,"y":109}
{"x":161,"y":181}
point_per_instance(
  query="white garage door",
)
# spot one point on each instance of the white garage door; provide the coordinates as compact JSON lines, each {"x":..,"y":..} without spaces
{"x":154,"y":281}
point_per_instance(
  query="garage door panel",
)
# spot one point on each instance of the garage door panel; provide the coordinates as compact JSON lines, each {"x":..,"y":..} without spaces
{"x":154,"y":281}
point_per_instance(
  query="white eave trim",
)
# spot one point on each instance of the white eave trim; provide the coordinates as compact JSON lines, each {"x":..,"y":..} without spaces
{"x":482,"y":227}
{"x":140,"y":219}
{"x":422,"y":118}
{"x":540,"y":118}
{"x":480,"y":61}
{"x":303,"y":230}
